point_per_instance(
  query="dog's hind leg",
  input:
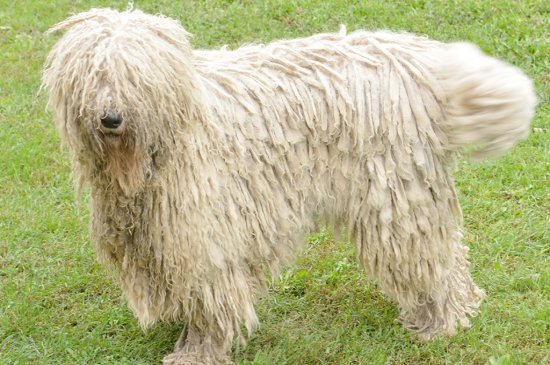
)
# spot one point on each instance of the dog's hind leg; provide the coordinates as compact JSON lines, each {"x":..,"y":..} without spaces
{"x":439,"y":309}
{"x":417,"y":259}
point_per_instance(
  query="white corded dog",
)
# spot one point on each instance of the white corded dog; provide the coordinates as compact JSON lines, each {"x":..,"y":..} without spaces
{"x":208,"y":167}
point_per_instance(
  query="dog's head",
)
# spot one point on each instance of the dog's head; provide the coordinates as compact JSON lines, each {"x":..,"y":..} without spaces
{"x":121,"y":85}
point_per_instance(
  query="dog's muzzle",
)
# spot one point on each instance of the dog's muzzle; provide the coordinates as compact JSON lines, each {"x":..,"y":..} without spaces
{"x":111,"y":122}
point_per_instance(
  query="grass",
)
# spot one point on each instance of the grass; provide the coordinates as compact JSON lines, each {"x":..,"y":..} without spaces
{"x":58,"y":306}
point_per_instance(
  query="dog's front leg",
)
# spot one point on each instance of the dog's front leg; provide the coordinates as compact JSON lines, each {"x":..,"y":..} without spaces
{"x":197,"y":348}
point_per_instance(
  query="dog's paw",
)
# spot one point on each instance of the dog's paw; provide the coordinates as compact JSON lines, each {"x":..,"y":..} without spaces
{"x":184,"y":358}
{"x":194,"y":358}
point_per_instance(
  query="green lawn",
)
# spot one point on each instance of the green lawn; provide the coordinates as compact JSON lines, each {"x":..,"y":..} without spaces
{"x":58,"y":306}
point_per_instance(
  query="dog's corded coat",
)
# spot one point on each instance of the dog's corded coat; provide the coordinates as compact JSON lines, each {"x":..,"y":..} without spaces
{"x":228,"y":157}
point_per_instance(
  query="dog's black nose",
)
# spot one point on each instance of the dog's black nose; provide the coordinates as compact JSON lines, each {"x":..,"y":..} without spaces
{"x":111,"y":120}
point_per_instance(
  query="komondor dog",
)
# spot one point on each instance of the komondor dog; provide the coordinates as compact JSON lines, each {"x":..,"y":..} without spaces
{"x":207,"y":168}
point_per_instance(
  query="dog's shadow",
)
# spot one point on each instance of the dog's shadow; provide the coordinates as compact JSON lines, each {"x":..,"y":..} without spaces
{"x":321,"y":310}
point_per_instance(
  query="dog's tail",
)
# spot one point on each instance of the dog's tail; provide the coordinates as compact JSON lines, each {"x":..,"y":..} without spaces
{"x":489,"y":104}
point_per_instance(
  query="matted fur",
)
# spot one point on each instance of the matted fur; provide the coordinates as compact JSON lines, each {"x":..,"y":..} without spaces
{"x":227,"y":158}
